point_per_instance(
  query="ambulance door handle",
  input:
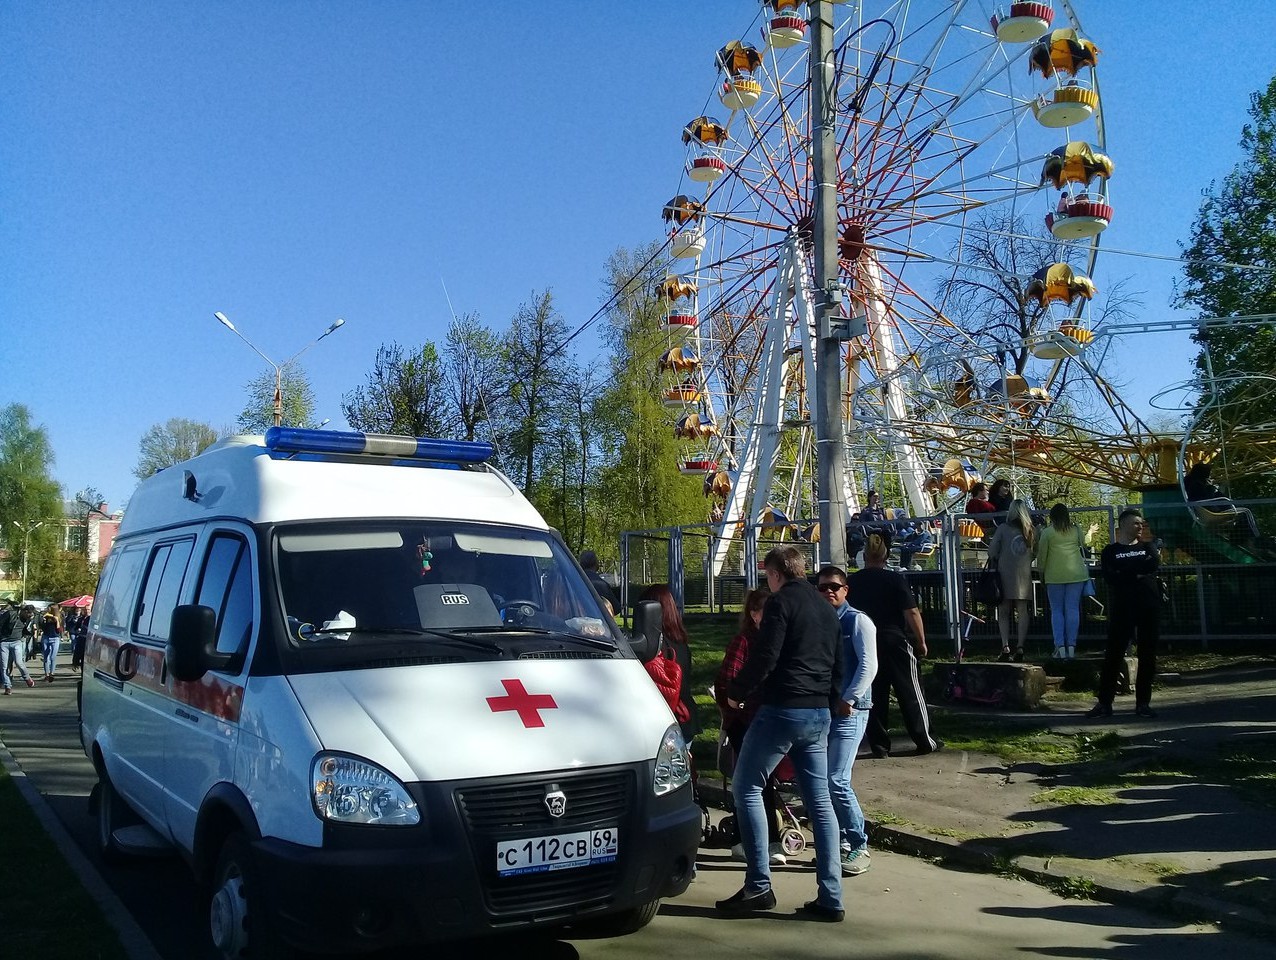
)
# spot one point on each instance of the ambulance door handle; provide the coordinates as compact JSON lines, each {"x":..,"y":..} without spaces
{"x":126,"y":661}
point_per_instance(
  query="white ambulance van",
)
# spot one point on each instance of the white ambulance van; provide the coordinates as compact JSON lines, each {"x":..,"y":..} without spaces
{"x":367,"y":693}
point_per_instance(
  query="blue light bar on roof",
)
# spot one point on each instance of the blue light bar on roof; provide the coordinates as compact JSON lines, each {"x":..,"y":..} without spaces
{"x":297,"y":440}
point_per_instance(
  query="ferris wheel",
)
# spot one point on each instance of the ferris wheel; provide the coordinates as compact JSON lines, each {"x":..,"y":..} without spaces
{"x":943,"y":113}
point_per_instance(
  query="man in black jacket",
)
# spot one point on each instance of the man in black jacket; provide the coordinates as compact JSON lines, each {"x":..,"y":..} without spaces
{"x":794,"y":670}
{"x":1129,"y":566}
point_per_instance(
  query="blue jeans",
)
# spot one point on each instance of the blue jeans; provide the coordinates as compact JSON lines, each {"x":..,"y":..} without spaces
{"x":802,"y":733}
{"x":51,"y":645}
{"x":844,"y":742}
{"x":11,"y":656}
{"x":1065,"y":612}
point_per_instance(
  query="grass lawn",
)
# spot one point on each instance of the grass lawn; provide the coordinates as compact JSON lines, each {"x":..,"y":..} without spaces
{"x":45,"y":912}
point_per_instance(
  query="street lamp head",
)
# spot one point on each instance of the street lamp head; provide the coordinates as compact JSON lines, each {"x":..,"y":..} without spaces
{"x":221,"y":317}
{"x":336,"y":323}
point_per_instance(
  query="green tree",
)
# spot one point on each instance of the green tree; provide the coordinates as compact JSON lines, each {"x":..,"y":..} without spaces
{"x":1231,"y":272}
{"x":297,"y":400}
{"x":535,"y":369}
{"x":472,"y":371}
{"x":405,"y":394}
{"x":28,"y":492}
{"x":171,"y":442}
{"x":60,"y":575}
{"x":640,"y":486}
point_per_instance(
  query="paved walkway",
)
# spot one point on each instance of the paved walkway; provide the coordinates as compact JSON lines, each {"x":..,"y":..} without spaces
{"x":1172,"y":841}
{"x":903,"y":906}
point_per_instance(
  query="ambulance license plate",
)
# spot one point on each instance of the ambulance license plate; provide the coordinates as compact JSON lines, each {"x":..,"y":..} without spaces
{"x":563,"y":852}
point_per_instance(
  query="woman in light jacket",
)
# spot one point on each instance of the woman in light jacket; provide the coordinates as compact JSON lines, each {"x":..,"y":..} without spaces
{"x":1011,"y":549}
{"x":1064,"y":571}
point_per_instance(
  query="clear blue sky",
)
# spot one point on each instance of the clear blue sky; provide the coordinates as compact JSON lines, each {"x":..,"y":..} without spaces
{"x":289,"y":163}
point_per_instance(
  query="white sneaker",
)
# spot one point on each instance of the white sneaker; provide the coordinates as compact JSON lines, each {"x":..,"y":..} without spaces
{"x":856,"y":862}
{"x":778,"y":859}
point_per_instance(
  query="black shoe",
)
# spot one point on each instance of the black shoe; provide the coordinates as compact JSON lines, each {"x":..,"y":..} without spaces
{"x":1005,"y":657}
{"x":1097,"y":711}
{"x":741,"y":902}
{"x":934,"y":746}
{"x":1019,"y":655}
{"x":814,"y":910}
{"x":1145,"y":711}
{"x":880,"y":753}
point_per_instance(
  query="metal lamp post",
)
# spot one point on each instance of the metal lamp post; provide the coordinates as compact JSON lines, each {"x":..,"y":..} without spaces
{"x":277,"y":367}
{"x":26,"y":551}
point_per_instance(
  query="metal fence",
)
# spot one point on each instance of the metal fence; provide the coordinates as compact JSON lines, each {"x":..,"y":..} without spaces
{"x":1219,"y":571}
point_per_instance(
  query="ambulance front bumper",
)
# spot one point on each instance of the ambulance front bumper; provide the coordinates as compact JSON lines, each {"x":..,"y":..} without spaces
{"x":369,"y":888}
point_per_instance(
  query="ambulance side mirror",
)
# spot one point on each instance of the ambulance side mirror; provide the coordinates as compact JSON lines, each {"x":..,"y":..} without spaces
{"x":646,"y":634}
{"x":192,"y":643}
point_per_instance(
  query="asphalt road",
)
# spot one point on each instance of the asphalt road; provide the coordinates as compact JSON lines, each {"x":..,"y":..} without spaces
{"x":902,"y":907}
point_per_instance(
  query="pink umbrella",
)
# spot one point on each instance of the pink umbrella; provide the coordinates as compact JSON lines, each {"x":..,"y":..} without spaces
{"x":84,"y":601}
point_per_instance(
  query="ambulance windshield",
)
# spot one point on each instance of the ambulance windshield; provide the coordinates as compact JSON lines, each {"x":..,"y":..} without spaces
{"x":463,"y":587}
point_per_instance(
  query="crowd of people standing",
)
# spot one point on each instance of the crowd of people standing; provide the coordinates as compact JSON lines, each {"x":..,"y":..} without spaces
{"x":29,"y":634}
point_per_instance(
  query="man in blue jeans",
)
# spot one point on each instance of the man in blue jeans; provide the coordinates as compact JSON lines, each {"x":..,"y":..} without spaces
{"x":795,"y":671}
{"x":12,"y":623}
{"x":850,"y":717}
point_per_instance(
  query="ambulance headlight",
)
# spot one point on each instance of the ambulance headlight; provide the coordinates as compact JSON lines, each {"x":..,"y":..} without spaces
{"x":349,"y":790}
{"x":673,"y":763}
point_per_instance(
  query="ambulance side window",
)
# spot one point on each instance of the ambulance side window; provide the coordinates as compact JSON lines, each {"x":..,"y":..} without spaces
{"x":110,"y":611}
{"x":162,"y":588}
{"x":226,"y":585}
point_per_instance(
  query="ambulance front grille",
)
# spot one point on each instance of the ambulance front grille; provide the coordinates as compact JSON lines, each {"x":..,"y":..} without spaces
{"x":565,"y":655}
{"x":507,"y":809}
{"x":504,"y":811}
{"x":541,"y":893}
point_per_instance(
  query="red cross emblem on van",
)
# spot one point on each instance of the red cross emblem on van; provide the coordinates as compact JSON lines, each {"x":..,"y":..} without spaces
{"x":527,"y":705}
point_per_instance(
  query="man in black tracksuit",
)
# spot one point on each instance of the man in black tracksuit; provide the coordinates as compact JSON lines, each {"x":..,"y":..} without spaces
{"x":794,"y":670}
{"x":901,"y":638}
{"x":1134,"y":612}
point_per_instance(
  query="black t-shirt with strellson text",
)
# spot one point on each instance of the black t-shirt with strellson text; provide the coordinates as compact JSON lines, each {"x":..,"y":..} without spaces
{"x":1130,"y":569}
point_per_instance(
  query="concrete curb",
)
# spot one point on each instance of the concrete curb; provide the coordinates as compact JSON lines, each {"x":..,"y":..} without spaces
{"x":1108,"y":888}
{"x":136,"y":944}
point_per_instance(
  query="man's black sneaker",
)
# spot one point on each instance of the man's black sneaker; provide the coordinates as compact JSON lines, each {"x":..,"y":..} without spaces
{"x":1145,"y":711}
{"x":814,"y":910}
{"x":1098,"y":710}
{"x":741,"y":902}
{"x":934,"y":746}
{"x":880,"y":753}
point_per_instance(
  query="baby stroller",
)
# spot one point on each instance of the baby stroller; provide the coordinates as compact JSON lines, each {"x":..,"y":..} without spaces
{"x":726,"y":833}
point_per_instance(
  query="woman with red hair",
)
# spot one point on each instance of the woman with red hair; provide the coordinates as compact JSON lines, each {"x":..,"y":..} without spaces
{"x":675,"y":636}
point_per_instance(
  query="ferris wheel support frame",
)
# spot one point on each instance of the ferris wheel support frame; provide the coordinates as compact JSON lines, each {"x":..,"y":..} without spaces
{"x":912,"y":472}
{"x":790,"y":312}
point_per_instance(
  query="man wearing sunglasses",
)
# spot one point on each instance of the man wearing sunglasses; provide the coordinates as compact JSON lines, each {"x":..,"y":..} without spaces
{"x":850,"y":717}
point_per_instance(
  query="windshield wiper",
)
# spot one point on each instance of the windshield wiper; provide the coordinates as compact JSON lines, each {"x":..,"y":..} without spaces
{"x":448,"y":635}
{"x":599,"y":642}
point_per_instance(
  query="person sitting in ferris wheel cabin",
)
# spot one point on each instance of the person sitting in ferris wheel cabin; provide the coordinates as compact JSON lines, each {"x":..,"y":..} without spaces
{"x":980,"y":504}
{"x":1204,"y":493}
{"x":870,"y":520}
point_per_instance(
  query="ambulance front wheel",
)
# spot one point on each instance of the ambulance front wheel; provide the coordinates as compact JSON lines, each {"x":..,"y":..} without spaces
{"x":238,"y":921}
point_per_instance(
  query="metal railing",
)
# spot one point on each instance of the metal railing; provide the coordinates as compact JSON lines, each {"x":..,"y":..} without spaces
{"x":1220,"y":579}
